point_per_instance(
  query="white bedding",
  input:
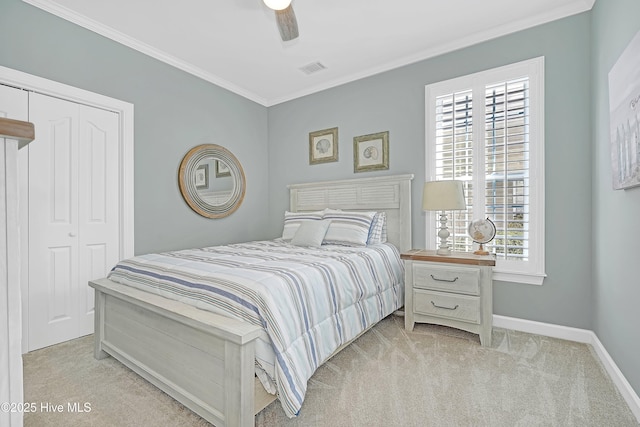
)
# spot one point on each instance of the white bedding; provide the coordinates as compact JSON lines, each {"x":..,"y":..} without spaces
{"x":310,"y":301}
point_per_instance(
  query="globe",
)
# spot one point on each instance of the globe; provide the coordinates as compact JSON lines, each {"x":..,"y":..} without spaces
{"x":482,"y":231}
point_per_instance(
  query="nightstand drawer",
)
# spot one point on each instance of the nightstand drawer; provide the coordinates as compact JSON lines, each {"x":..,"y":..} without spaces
{"x":462,"y":280}
{"x":459,"y":307}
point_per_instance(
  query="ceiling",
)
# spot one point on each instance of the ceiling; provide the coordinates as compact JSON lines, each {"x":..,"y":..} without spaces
{"x":235,"y":44}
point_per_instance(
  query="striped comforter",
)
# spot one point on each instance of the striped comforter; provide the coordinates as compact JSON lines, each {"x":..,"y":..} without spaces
{"x":310,"y":301}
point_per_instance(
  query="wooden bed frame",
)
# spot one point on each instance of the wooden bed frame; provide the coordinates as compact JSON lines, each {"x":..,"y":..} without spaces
{"x":204,"y":360}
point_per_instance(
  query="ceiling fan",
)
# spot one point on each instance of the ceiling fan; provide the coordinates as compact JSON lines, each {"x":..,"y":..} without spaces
{"x":285,"y":18}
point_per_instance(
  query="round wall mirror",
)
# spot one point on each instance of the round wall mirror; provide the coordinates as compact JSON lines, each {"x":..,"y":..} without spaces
{"x":211,"y":181}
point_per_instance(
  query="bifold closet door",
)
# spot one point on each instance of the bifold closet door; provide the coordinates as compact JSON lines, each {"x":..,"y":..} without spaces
{"x":73,"y":215}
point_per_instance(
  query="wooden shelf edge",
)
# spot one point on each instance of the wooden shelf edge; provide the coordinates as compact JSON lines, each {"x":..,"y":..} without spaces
{"x":455,"y":257}
{"x":24,"y":132}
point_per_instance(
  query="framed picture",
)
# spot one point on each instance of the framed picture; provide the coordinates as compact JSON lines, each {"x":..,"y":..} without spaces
{"x":201,"y":176}
{"x":222,"y":169}
{"x":371,"y":152}
{"x":323,"y":146}
{"x":624,"y":117}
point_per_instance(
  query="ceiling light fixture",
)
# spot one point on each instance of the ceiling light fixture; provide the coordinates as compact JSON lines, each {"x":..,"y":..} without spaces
{"x":277,"y":4}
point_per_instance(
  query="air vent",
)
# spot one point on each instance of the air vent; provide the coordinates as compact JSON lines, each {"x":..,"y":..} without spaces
{"x":314,"y":67}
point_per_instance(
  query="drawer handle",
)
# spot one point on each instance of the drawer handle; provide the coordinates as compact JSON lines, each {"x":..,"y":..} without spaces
{"x":443,"y":280}
{"x":442,"y":306}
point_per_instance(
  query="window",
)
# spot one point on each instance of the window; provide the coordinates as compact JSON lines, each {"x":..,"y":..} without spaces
{"x":487,"y":130}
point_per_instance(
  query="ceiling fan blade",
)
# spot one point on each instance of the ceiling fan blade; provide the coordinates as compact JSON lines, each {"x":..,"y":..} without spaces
{"x":287,"y":23}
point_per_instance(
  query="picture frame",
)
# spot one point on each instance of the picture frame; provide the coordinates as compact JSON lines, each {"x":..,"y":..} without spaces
{"x":371,"y":152}
{"x":201,"y":176}
{"x":624,"y":117}
{"x":222,"y":169}
{"x":323,"y":146}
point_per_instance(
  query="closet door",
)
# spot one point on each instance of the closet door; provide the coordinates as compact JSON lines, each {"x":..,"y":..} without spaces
{"x":98,"y":214}
{"x":73,"y":226}
{"x":53,"y":221}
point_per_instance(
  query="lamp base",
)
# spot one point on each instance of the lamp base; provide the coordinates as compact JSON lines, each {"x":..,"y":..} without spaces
{"x":443,"y":234}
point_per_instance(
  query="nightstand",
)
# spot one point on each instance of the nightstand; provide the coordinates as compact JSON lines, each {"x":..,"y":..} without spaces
{"x":451,"y":290}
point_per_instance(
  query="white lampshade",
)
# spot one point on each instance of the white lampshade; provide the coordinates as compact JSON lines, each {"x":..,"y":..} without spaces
{"x":277,"y":4}
{"x":443,"y":196}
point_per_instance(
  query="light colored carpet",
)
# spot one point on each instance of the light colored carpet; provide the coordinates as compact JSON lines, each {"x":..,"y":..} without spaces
{"x":433,"y":376}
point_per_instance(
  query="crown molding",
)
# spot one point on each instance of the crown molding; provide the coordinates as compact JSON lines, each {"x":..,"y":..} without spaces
{"x":573,"y":8}
{"x":119,"y":37}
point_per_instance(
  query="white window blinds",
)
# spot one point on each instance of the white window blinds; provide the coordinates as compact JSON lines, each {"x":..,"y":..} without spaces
{"x":454,"y":156}
{"x":495,"y":156}
{"x":506,"y":166}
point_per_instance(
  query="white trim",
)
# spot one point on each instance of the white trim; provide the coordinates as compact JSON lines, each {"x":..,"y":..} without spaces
{"x":11,"y":386}
{"x":516,"y":277}
{"x":531,"y":271}
{"x":545,"y":329}
{"x":625,"y":389}
{"x":124,"y":110}
{"x":115,"y":35}
{"x":577,"y":335}
{"x":536,"y":153}
{"x":573,"y":8}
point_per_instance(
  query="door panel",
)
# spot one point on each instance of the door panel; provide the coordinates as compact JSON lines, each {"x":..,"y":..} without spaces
{"x":97,"y":266}
{"x":60,"y":292}
{"x":61,"y":145}
{"x":99,"y":221}
{"x":96,"y":158}
{"x":53,"y":221}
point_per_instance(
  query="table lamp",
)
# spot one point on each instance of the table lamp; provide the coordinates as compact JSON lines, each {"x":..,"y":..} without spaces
{"x":447,"y":195}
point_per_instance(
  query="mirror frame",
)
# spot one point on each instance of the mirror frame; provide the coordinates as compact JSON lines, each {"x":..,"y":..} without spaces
{"x":189,"y":191}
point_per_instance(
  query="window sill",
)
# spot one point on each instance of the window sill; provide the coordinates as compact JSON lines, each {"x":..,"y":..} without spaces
{"x":525,"y":278}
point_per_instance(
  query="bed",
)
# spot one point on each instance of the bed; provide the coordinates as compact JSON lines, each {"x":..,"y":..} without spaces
{"x":208,"y":360}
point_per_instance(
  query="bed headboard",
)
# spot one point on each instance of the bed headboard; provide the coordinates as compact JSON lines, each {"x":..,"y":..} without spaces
{"x":391,"y":194}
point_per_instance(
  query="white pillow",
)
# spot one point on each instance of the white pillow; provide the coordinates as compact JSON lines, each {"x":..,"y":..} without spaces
{"x":378,"y":230}
{"x":310,"y":233}
{"x":292,"y":221}
{"x":348,"y":228}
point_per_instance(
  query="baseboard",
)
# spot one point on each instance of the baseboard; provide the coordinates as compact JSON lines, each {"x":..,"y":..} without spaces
{"x":578,"y":335}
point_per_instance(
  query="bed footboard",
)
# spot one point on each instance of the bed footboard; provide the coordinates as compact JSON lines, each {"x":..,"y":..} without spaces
{"x":203,"y":360}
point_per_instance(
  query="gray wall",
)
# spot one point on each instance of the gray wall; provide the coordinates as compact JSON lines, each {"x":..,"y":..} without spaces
{"x":616,"y":214}
{"x":174,"y":111}
{"x":394,"y":101}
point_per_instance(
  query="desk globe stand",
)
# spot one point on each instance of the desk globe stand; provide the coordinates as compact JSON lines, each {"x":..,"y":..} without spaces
{"x":481,"y":250}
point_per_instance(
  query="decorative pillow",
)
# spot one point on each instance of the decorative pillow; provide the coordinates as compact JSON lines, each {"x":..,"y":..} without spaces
{"x":348,"y":228}
{"x":310,"y":233}
{"x":292,"y":221}
{"x":378,"y":230}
